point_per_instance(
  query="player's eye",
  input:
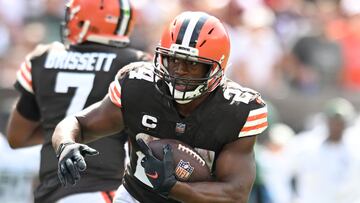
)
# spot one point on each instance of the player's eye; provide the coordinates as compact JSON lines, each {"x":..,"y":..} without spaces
{"x":174,"y":60}
{"x":192,"y":63}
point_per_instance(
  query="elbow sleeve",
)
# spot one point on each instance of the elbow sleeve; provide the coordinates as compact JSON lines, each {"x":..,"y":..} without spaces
{"x":28,"y":107}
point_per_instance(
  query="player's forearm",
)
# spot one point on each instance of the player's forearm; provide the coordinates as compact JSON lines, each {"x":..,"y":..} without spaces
{"x":99,"y":120}
{"x":68,"y":130}
{"x":210,"y":192}
{"x":92,"y":123}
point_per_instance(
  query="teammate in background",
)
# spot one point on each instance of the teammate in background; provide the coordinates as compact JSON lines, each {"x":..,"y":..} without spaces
{"x":326,"y":159}
{"x":57,"y":80}
{"x":185,"y":96}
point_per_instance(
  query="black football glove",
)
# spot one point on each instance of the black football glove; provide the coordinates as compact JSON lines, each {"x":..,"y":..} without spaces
{"x":71,"y":161}
{"x":160,"y":173}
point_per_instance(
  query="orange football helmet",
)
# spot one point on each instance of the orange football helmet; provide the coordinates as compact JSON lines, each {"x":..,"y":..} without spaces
{"x":102,"y":21}
{"x":197,"y":37}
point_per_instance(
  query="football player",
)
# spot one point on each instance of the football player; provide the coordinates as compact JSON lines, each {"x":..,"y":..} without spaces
{"x":59,"y":79}
{"x":182,"y":95}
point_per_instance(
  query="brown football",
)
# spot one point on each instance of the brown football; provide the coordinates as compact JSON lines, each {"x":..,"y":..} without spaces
{"x":189,"y":165}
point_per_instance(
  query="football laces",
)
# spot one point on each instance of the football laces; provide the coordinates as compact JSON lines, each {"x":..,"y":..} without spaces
{"x":191,"y":153}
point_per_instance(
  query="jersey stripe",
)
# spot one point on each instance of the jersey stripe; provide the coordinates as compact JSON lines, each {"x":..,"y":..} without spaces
{"x":24,"y":77}
{"x":254,"y":127}
{"x":112,"y":193}
{"x":252,"y":132}
{"x":106,"y":197}
{"x":115,"y":93}
{"x":117,"y":89}
{"x":256,"y":117}
{"x":125,"y":16}
{"x":250,"y":123}
{"x":256,"y":122}
{"x":258,"y":111}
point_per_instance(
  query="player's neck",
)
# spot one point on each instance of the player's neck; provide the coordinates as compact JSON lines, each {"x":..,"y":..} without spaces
{"x":186,"y":109}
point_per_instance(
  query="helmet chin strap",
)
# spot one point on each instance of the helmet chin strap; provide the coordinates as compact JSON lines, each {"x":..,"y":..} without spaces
{"x":183,"y":101}
{"x":180,"y":96}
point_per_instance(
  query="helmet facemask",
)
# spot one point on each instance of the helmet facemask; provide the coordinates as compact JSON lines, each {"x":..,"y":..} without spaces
{"x":64,"y":29}
{"x":191,"y":87}
{"x":191,"y":37}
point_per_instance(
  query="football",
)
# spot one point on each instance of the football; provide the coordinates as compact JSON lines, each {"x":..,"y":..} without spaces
{"x":189,"y":165}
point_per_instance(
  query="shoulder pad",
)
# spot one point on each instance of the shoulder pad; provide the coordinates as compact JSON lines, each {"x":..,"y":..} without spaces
{"x":258,"y":100}
{"x":42,"y":48}
{"x":236,"y":93}
{"x":135,"y":66}
{"x":135,"y":70}
{"x":143,"y":56}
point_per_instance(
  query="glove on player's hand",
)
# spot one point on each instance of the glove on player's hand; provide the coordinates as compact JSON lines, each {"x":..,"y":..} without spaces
{"x":160,"y":173}
{"x":71,"y":161}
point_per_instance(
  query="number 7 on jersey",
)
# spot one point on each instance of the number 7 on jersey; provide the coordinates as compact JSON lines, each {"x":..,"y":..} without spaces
{"x":83,"y":82}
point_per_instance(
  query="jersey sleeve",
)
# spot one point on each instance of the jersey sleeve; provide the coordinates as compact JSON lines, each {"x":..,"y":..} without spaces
{"x":115,"y":92}
{"x":128,"y":71}
{"x":256,"y":121}
{"x":24,"y":77}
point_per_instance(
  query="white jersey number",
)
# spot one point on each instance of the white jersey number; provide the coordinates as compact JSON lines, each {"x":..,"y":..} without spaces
{"x":83,"y":82}
{"x":236,"y":93}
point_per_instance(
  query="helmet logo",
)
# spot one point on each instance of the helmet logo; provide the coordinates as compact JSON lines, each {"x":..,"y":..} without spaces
{"x":111,"y":19}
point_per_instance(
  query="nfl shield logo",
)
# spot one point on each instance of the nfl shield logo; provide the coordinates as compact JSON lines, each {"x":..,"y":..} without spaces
{"x":183,"y":170}
{"x":180,"y":128}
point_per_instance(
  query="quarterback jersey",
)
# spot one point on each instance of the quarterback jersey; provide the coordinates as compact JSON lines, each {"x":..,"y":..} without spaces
{"x":63,"y":82}
{"x":229,"y":113}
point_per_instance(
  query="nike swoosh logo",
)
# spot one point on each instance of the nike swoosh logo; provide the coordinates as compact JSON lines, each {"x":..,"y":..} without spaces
{"x":153,"y":176}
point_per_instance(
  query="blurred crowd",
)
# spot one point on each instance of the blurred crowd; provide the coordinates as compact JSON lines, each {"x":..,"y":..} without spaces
{"x":320,"y":164}
{"x":278,"y":47}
